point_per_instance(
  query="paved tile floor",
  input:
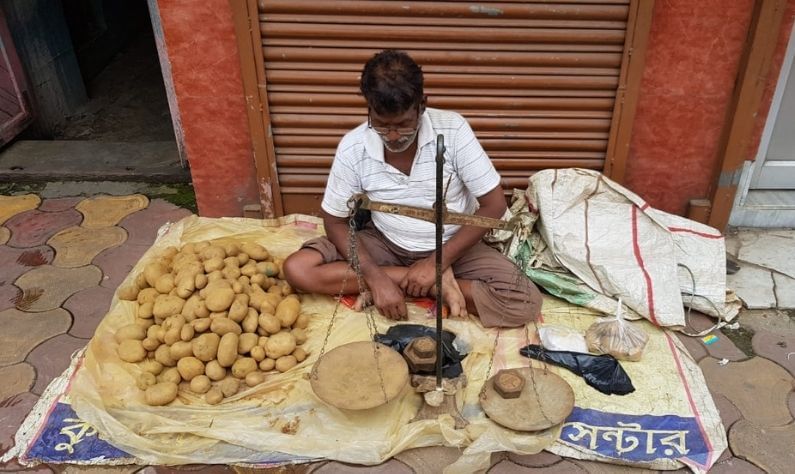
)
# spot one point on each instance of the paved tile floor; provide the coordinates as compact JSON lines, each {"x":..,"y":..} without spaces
{"x":61,"y":258}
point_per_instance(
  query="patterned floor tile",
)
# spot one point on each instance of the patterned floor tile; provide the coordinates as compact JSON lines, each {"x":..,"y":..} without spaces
{"x":77,"y":246}
{"x":59,"y":204}
{"x":779,"y":349}
{"x":5,"y":234}
{"x":18,"y":378}
{"x":15,"y":262}
{"x":541,"y":459}
{"x":785,"y":291}
{"x":792,"y":404}
{"x":594,"y":467}
{"x":757,"y":387}
{"x":770,"y":320}
{"x":24,"y":331}
{"x":47,"y":287}
{"x":392,"y":466}
{"x":88,"y":307}
{"x":729,"y":413}
{"x":13,"y":205}
{"x":51,"y":358}
{"x":69,"y":469}
{"x":769,"y":248}
{"x":9,"y":295}
{"x":734,"y":465}
{"x":770,"y":448}
{"x":430,"y":459}
{"x":142,"y":226}
{"x":13,"y":411}
{"x":694,"y":345}
{"x":754,"y":286}
{"x":722,"y":348}
{"x":14,"y":467}
{"x":105,"y":211}
{"x":33,"y":228}
{"x":563,"y":467}
{"x":117,"y":262}
{"x":194,"y":468}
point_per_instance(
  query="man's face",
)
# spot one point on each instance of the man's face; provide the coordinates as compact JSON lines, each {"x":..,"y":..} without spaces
{"x":397,"y":132}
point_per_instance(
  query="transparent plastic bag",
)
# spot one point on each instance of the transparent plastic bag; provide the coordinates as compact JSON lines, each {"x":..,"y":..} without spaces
{"x":561,"y":338}
{"x":617,"y":337}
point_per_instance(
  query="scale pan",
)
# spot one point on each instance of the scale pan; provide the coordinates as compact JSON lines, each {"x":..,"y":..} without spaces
{"x":347,"y":376}
{"x":528,"y":412}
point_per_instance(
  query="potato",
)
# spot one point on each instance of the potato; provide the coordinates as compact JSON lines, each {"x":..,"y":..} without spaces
{"x":229,"y":386}
{"x":190,"y":367}
{"x":222,"y":326}
{"x":200,"y":384}
{"x":145,"y":311}
{"x":299,"y":335}
{"x":170,"y":374}
{"x":153,"y":271}
{"x":147,"y":295}
{"x":200,"y":281}
{"x":213,"y":396}
{"x":227,"y":349}
{"x":205,"y":347}
{"x":211,"y":252}
{"x":239,"y":308}
{"x":243,"y":258}
{"x":266,"y":365}
{"x":280,"y":344}
{"x":150,"y":344}
{"x":287,"y":290}
{"x":259,"y":279}
{"x":187,"y":332}
{"x":201,"y":311}
{"x":249,"y":269}
{"x":283,"y":364}
{"x":172,"y":335}
{"x":255,"y":251}
{"x":128,"y":292}
{"x":268,"y":269}
{"x":214,"y":370}
{"x":201,"y":325}
{"x":144,"y":323}
{"x":258,"y":353}
{"x":254,"y":378}
{"x":165,"y":283}
{"x":302,"y":322}
{"x":215,"y":276}
{"x":163,"y":355}
{"x":167,"y":305}
{"x":251,"y":321}
{"x":169,"y":252}
{"x":153,"y":331}
{"x":152,"y":366}
{"x":287,"y":311}
{"x":300,"y":354}
{"x":237,"y":287}
{"x":231,"y":262}
{"x":180,"y":349}
{"x":246,"y":342}
{"x":161,"y":394}
{"x":231,"y":273}
{"x":219,"y":314}
{"x":130,"y":331}
{"x":270,"y":323}
{"x":219,"y":299}
{"x":131,"y":350}
{"x":243,"y":366}
{"x":140,"y":281}
{"x":262,"y":341}
{"x":199,"y":246}
{"x":174,"y":322}
{"x":231,"y":249}
{"x":186,"y":285}
{"x":213,"y":264}
{"x":161,"y":334}
{"x":145,"y":380}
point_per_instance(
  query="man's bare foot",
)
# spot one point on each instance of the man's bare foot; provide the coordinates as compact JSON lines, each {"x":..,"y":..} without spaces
{"x":452,"y":295}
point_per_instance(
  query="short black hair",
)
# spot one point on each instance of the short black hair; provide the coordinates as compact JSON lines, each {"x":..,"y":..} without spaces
{"x":392,"y":82}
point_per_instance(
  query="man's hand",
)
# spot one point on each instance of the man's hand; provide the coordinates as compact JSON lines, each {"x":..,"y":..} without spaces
{"x":420,"y":278}
{"x":387,"y":297}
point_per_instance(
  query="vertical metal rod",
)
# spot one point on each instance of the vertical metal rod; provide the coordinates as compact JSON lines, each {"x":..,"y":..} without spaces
{"x":439,"y":232}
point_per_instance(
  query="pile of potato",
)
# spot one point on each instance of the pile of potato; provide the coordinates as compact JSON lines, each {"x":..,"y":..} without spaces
{"x":212,"y":314}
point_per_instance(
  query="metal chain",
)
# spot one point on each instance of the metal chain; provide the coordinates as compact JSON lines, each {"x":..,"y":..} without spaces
{"x":491,"y":363}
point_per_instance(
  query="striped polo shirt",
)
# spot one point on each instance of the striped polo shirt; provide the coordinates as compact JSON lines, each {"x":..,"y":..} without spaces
{"x":359,"y":166}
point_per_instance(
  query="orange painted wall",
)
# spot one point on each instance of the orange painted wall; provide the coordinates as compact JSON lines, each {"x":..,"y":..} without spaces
{"x":205,"y":68}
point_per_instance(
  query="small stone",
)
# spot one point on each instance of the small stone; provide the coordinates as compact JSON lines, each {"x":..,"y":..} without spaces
{"x":51,"y":358}
{"x":5,"y":234}
{"x":105,"y":211}
{"x":779,"y":349}
{"x":88,"y":307}
{"x":13,"y":205}
{"x":24,"y":331}
{"x":757,"y":387}
{"x":47,"y":287}
{"x":77,"y":246}
{"x":754,"y":286}
{"x":33,"y":228}
{"x":142,"y":226}
{"x":18,"y":378}
{"x":769,"y":447}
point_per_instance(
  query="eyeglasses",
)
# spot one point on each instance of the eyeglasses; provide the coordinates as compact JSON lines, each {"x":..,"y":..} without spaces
{"x":402,"y":131}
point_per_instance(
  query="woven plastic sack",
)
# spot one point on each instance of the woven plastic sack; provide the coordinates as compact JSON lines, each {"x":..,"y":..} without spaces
{"x":617,"y":337}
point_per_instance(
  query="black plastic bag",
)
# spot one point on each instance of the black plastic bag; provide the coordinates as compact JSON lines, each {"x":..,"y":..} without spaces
{"x":602,"y":372}
{"x":399,"y":336}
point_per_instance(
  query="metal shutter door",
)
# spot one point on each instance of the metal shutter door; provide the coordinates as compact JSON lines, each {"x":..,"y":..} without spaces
{"x":536,"y":80}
